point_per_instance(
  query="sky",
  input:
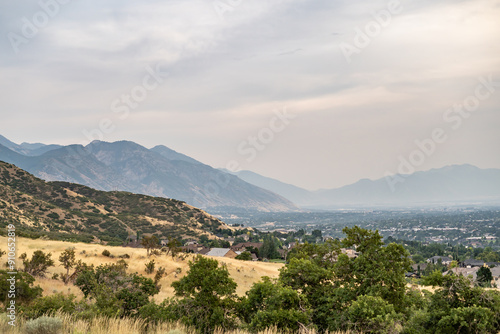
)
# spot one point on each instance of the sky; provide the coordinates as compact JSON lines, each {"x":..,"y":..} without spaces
{"x":318,"y":93}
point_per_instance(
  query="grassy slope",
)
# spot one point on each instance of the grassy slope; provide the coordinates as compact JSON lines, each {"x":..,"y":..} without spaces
{"x":245,"y":273}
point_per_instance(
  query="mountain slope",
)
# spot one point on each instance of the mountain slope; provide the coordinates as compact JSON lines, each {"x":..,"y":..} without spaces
{"x":27,"y":148}
{"x":172,"y":155}
{"x":67,"y":211}
{"x":131,"y":167}
{"x":291,"y":192}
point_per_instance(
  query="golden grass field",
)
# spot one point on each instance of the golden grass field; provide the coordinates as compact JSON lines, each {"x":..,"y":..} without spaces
{"x":99,"y":325}
{"x":245,"y":273}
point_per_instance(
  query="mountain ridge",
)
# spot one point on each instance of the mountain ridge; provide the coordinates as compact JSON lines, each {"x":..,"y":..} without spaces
{"x":128,"y":166}
{"x":452,"y":183}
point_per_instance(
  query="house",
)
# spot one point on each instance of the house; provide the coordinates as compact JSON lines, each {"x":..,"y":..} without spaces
{"x":195,"y":248}
{"x":351,"y":253}
{"x":191,"y":242}
{"x":222,"y":252}
{"x":412,"y":275}
{"x":242,"y":246}
{"x":466,"y":272}
{"x":471,"y":263}
{"x":163,"y":242}
{"x":495,"y":272}
{"x":254,"y":257}
{"x":419,"y":266}
{"x":443,"y":259}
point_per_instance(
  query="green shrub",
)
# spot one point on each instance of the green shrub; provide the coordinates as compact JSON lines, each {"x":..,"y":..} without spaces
{"x":372,"y":314}
{"x":43,"y":325}
{"x":106,"y":253}
{"x":50,"y":304}
{"x":150,"y":267}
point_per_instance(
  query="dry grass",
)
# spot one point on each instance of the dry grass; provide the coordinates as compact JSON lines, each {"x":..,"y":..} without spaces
{"x":245,"y":273}
{"x":101,"y":325}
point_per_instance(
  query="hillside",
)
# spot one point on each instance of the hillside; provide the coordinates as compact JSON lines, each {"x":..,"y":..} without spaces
{"x":159,"y":171}
{"x":245,"y":273}
{"x":67,"y":211}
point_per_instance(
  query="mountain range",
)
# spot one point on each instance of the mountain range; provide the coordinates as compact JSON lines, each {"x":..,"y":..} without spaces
{"x":161,"y":171}
{"x":454,"y":184}
{"x":128,"y":166}
{"x":72,"y":212}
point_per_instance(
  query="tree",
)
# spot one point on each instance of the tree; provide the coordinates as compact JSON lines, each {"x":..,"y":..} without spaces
{"x":435,"y":278}
{"x":150,"y":243}
{"x":378,"y":270}
{"x":245,"y":256}
{"x":269,"y":249}
{"x":208,"y":296}
{"x":39,"y":263}
{"x":174,"y":247}
{"x":68,"y":261}
{"x":484,"y":277}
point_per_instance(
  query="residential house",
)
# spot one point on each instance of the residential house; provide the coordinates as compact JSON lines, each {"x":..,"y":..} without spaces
{"x":471,"y":263}
{"x":466,"y":271}
{"x":443,"y":259}
{"x":495,"y":272}
{"x":195,"y":248}
{"x":242,"y":246}
{"x":222,"y":252}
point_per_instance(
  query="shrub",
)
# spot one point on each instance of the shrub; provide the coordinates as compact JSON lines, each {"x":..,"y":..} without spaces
{"x":49,"y":304}
{"x":106,"y":253}
{"x":150,"y":267}
{"x":372,"y":314}
{"x":43,"y":325}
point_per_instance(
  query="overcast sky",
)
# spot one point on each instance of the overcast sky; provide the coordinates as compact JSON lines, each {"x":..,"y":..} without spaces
{"x":356,"y":92}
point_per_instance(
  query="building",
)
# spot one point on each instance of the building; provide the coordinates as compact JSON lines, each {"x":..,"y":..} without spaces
{"x":443,"y":259}
{"x":222,"y":252}
{"x":495,"y":272}
{"x":242,"y":246}
{"x":471,"y":263}
{"x":195,"y":248}
{"x":466,"y":272}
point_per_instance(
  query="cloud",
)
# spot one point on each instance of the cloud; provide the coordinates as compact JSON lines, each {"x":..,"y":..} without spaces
{"x":227,"y":73}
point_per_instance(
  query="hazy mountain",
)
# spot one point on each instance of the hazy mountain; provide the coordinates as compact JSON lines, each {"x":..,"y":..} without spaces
{"x":451,"y":184}
{"x":27,"y":148}
{"x":291,"y":192}
{"x":130,"y":167}
{"x":173,"y":155}
{"x":68,"y":211}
